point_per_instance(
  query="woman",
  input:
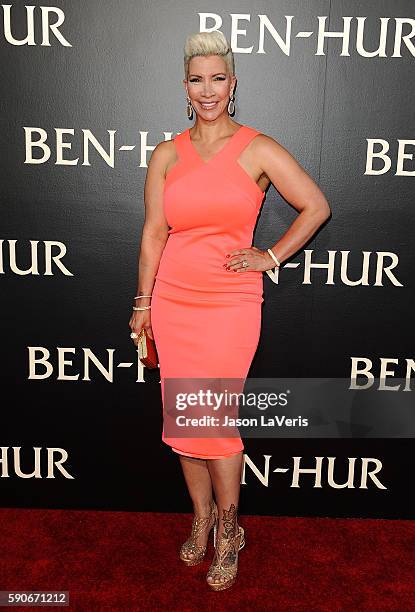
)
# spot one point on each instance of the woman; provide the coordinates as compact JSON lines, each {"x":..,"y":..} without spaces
{"x":202,"y":279}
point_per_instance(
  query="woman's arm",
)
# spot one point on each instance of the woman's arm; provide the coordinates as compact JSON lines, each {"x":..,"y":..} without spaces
{"x":298,"y":188}
{"x":155,"y":228}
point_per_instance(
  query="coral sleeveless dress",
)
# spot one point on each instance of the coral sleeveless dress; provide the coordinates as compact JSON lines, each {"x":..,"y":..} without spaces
{"x":206,"y":320}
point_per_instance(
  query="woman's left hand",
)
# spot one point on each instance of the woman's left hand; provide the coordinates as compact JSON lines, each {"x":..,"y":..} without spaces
{"x":256,"y":259}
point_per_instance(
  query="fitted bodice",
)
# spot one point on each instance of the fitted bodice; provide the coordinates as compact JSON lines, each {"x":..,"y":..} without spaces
{"x":211,"y":208}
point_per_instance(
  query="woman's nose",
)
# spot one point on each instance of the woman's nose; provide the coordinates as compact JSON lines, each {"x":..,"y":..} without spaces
{"x":207,"y":90}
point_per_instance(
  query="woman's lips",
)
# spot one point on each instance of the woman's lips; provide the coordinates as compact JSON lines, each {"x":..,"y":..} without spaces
{"x":208,"y":105}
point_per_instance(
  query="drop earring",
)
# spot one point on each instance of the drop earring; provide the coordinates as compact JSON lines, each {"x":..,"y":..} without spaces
{"x":231,"y":104}
{"x":189,"y":108}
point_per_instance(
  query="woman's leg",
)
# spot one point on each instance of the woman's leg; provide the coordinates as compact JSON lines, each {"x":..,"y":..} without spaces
{"x":199,"y":484}
{"x":226,"y":478}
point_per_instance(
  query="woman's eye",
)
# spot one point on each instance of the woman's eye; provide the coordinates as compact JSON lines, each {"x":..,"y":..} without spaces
{"x":196,"y":80}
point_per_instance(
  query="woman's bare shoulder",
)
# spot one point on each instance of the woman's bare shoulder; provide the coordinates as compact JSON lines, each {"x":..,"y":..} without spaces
{"x":163,"y":154}
{"x":264,"y":141}
{"x":163,"y":149}
{"x":268,"y":149}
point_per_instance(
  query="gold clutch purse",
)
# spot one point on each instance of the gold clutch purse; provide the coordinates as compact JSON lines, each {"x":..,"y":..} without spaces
{"x":147,"y":352}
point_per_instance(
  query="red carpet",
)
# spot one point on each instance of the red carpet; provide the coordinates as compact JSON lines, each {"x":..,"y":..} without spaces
{"x":128,"y":561}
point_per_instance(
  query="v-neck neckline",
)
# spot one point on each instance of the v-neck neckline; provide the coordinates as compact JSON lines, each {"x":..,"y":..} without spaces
{"x":225,"y":146}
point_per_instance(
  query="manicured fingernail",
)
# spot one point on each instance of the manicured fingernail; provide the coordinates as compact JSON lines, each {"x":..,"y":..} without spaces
{"x":227,"y":255}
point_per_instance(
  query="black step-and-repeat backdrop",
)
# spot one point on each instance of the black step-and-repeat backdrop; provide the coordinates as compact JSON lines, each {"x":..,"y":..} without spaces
{"x":88,"y":90}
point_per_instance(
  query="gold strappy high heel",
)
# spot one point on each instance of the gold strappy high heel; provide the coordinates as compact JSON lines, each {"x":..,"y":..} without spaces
{"x":199,"y":524}
{"x":225,"y":561}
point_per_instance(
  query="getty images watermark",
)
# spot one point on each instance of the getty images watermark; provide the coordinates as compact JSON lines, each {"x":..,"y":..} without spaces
{"x":288,"y":408}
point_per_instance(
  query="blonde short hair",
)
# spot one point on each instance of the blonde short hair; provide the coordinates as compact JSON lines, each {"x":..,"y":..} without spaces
{"x":208,"y":43}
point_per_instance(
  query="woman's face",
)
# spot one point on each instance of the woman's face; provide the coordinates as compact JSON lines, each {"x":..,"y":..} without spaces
{"x":209,"y":85}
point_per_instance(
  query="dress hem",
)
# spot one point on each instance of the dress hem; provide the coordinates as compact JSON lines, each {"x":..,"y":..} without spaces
{"x":199,"y":456}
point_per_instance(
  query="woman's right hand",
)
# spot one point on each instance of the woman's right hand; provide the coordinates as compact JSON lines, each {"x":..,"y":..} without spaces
{"x":140,"y":319}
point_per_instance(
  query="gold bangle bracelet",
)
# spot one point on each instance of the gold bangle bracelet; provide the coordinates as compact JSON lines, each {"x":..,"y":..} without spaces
{"x":274,"y":257}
